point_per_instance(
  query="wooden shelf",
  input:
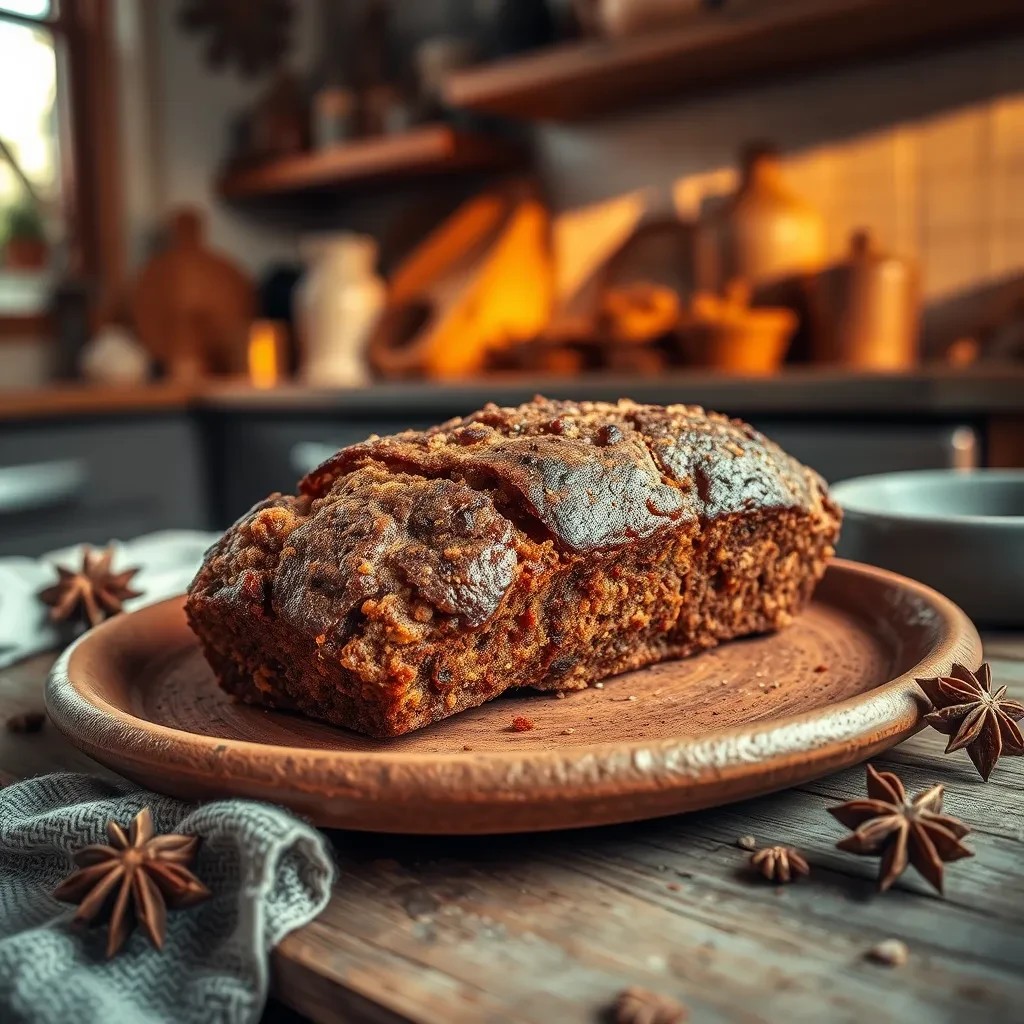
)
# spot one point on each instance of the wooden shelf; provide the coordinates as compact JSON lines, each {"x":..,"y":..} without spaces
{"x":436,"y":148}
{"x":721,"y":48}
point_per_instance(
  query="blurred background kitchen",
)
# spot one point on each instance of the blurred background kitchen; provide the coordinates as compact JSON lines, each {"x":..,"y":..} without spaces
{"x":236,"y":234}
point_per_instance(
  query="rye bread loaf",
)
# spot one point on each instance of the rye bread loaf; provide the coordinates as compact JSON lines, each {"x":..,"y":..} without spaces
{"x":549,"y":546}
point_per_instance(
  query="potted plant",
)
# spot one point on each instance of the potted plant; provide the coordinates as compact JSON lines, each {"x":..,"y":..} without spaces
{"x":23,"y":238}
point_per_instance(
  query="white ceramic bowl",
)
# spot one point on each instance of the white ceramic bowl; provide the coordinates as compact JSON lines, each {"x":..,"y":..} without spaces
{"x":959,"y":531}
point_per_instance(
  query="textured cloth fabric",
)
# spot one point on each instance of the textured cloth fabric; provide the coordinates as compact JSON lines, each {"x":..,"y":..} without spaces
{"x":269,"y":874}
{"x":167,"y":561}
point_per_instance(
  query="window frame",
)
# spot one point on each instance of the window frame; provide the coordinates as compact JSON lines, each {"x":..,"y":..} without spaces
{"x":83,"y":34}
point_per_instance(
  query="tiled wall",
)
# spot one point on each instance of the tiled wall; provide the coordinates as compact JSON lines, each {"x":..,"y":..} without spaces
{"x":927,"y":152}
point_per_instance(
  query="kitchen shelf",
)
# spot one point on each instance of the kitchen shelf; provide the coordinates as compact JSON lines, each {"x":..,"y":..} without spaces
{"x":721,"y":48}
{"x":430,"y":149}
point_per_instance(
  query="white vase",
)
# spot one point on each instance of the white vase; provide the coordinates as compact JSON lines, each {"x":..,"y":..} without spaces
{"x":340,"y":299}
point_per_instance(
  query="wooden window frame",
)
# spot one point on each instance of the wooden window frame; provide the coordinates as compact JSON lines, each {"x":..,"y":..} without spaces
{"x":83,"y":33}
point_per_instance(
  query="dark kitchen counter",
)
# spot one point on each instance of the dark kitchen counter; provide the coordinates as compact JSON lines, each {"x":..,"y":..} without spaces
{"x":131,"y":460}
{"x":810,"y":391}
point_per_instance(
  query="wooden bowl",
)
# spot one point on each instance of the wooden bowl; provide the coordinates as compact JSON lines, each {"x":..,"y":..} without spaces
{"x":749,"y":717}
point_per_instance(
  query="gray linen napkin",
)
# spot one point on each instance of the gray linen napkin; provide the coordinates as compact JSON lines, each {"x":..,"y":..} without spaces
{"x":269,"y":874}
{"x":167,"y":561}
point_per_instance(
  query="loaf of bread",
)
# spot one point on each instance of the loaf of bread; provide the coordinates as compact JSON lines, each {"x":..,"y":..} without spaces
{"x":545,"y":546}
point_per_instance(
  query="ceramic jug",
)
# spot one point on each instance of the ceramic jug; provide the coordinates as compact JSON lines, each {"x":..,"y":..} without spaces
{"x":339,"y":301}
{"x":871,"y":305}
{"x":764,"y":234}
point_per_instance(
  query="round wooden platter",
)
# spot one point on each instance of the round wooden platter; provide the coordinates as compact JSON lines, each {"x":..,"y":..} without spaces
{"x":749,"y":717}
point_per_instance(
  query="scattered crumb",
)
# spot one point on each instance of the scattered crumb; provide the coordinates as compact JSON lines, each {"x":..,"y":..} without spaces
{"x":598,"y":686}
{"x":821,"y":668}
{"x":28,"y":722}
{"x":560,"y":695}
{"x":568,"y":732}
{"x":746,"y":843}
{"x":521,"y":724}
{"x":619,"y":699}
{"x":466,"y":746}
{"x":636,"y":1005}
{"x":891,"y":952}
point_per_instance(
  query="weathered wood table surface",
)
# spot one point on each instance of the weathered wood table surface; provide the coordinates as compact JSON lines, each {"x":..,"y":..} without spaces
{"x":549,"y":928}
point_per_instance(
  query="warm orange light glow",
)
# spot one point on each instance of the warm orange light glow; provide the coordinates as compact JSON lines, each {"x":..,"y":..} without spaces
{"x":487,"y":276}
{"x":265,"y":353}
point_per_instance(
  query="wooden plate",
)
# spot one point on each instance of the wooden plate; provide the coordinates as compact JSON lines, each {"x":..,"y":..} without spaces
{"x":752,"y":716}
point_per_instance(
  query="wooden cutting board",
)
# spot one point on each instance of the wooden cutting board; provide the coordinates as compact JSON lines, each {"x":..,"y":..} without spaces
{"x":752,"y":716}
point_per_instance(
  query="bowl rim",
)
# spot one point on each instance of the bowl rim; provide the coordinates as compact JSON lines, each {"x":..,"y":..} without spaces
{"x":848,"y":494}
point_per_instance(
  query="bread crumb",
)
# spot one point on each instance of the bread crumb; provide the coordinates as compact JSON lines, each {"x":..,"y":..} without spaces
{"x":568,"y":732}
{"x":821,"y":668}
{"x":598,"y":686}
{"x":746,"y":843}
{"x":891,"y":952}
{"x":521,"y":724}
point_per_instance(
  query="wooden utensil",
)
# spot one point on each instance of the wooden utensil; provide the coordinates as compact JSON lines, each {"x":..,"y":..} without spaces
{"x":752,"y":716}
{"x":485,"y":281}
{"x":192,"y":306}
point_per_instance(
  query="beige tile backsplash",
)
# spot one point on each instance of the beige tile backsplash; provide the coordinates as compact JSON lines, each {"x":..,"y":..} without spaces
{"x":927,"y":153}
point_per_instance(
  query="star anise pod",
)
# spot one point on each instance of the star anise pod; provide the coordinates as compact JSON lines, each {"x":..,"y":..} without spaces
{"x":134,"y":880}
{"x":780,"y":863}
{"x":973,"y":717}
{"x":92,"y":592}
{"x":901,"y":831}
{"x":641,"y":1006}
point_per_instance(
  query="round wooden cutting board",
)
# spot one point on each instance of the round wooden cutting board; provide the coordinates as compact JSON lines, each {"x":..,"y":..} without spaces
{"x":752,"y":716}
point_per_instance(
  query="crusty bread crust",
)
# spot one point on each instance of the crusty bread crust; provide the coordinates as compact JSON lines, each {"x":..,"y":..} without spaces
{"x":549,"y":545}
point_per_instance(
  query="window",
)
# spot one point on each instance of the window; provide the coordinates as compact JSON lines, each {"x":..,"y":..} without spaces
{"x":57,"y":152}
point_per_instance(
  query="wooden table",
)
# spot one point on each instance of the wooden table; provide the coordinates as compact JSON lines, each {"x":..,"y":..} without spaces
{"x":549,"y":928}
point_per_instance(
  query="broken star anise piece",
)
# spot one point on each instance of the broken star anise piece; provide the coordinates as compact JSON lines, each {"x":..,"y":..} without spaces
{"x":901,"y":831}
{"x":134,"y":880}
{"x":973,"y":717}
{"x":92,"y":593}
{"x":780,"y":863}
